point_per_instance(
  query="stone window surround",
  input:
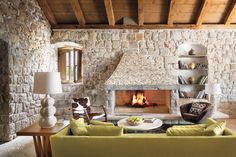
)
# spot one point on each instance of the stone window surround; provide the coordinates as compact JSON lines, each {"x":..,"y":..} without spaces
{"x":58,"y":45}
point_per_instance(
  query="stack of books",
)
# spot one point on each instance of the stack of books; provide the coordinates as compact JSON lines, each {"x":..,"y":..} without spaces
{"x":182,"y":80}
{"x":201,"y":94}
{"x":183,"y":65}
{"x":202,"y":80}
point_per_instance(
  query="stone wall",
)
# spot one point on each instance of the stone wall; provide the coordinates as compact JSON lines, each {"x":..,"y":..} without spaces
{"x":27,"y":33}
{"x":102,"y":50}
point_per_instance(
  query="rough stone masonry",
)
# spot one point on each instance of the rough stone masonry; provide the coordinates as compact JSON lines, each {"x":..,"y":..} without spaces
{"x":25,"y":34}
{"x":102,"y":50}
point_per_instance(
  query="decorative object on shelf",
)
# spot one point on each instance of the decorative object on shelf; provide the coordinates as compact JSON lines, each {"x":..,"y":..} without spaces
{"x":191,"y":80}
{"x":191,"y":52}
{"x":213,"y":90}
{"x":191,"y":65}
{"x":47,"y":83}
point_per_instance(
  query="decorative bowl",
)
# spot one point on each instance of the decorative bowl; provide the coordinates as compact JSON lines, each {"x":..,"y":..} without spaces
{"x":134,"y":121}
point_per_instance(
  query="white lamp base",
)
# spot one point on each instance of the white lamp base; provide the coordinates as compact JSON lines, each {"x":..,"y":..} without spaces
{"x":214,"y":101}
{"x":47,"y":119}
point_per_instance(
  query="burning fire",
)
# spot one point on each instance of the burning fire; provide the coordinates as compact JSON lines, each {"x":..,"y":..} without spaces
{"x":139,"y":99}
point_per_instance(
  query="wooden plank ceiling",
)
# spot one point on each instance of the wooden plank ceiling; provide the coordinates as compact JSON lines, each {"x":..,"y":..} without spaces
{"x":150,"y":14}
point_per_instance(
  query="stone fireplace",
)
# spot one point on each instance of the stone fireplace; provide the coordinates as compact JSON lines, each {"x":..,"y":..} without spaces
{"x":142,"y":101}
{"x":141,"y":84}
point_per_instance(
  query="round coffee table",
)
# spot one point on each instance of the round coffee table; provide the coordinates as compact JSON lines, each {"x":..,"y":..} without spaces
{"x":142,"y":127}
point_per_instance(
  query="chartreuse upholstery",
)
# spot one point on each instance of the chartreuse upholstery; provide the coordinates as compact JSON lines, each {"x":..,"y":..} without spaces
{"x":143,"y":145}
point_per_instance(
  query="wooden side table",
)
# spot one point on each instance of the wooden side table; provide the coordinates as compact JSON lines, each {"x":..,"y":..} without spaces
{"x":41,"y":137}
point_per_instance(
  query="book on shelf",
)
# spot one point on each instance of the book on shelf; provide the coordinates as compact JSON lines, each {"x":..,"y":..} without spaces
{"x":201,"y":94}
{"x":182,"y":80}
{"x":150,"y":120}
{"x":182,"y":65}
{"x":202,"y":80}
{"x":181,"y":94}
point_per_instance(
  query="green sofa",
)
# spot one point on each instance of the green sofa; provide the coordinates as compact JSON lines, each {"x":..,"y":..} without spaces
{"x":143,"y":145}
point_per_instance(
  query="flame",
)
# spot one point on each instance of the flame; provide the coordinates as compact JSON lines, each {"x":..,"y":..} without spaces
{"x":139,"y":99}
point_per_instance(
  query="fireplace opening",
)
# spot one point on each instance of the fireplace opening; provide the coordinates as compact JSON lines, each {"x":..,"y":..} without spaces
{"x":139,"y":100}
{"x":142,"y":101}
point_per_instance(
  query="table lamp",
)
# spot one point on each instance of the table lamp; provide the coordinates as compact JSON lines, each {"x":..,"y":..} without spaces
{"x":47,"y":83}
{"x":213,"y":90}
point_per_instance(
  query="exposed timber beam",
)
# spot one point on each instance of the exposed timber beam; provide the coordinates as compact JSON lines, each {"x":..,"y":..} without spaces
{"x":47,"y":11}
{"x":203,"y":10}
{"x":171,"y":12}
{"x":231,"y":13}
{"x":78,"y":11}
{"x":110,"y":12}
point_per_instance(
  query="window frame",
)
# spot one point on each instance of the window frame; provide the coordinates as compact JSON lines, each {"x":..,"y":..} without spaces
{"x":63,"y":64}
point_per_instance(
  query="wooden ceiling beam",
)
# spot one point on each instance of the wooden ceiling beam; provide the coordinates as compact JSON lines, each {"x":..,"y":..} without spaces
{"x":140,"y":13}
{"x":110,"y":12}
{"x":231,"y":13}
{"x":78,"y":11}
{"x":204,"y":7}
{"x":146,"y":26}
{"x":47,"y":11}
{"x":171,"y":14}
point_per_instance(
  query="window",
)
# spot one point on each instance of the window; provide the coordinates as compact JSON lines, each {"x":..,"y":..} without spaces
{"x":70,"y":64}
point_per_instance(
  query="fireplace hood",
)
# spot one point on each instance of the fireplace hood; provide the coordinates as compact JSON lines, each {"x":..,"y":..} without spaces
{"x":138,"y":71}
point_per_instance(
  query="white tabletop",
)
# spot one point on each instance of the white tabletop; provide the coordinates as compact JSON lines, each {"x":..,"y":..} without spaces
{"x":143,"y":127}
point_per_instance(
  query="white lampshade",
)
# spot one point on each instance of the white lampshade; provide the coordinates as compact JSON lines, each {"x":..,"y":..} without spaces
{"x":47,"y":83}
{"x":213,"y":88}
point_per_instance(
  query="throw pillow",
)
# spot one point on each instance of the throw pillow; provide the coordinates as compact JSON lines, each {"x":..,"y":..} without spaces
{"x":190,"y":126}
{"x":98,"y":130}
{"x":185,"y":131}
{"x":97,"y":122}
{"x":197,"y":108}
{"x":210,"y":121}
{"x":78,"y":127}
{"x":216,"y":129}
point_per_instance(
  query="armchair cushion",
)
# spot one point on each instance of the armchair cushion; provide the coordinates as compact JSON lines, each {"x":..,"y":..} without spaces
{"x":197,"y":108}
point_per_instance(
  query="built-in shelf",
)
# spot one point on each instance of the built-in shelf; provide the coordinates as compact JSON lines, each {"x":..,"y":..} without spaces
{"x":199,"y":63}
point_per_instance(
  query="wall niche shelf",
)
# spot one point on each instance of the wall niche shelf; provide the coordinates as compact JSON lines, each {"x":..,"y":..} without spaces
{"x":192,"y":71}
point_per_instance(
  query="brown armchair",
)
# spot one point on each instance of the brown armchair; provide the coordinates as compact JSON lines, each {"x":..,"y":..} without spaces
{"x":81,"y":109}
{"x":196,"y":118}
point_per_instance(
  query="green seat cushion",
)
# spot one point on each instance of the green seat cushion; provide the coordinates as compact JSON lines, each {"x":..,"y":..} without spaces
{"x":99,"y":130}
{"x":187,"y":130}
{"x":216,"y":129}
{"x":97,"y":122}
{"x":78,"y":127}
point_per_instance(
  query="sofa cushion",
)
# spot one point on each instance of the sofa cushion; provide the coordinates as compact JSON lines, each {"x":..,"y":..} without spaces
{"x":78,"y":127}
{"x":99,"y":130}
{"x":216,"y":129}
{"x":97,"y":122}
{"x":197,"y":108}
{"x":183,"y":131}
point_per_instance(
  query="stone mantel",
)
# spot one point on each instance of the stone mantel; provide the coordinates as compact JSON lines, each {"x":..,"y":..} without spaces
{"x":141,"y":87}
